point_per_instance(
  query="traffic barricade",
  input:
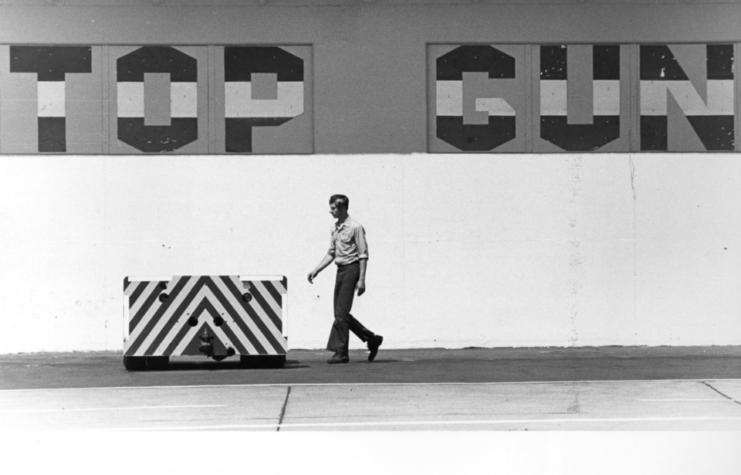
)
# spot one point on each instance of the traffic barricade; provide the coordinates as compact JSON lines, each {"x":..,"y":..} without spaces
{"x":213,"y":316}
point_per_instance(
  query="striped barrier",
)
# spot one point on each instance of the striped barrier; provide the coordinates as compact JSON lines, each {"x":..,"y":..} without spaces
{"x":215,"y":316}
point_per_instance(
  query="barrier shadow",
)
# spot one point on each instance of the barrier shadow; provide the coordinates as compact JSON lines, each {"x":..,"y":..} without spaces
{"x":225,"y":366}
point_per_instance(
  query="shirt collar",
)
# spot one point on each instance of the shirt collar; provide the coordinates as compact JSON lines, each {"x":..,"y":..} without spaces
{"x":344,"y":223}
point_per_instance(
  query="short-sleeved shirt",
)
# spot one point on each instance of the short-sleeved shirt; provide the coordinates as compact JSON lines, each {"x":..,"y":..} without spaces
{"x":347,"y":243}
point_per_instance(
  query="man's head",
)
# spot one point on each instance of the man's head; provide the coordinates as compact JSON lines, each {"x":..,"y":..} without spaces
{"x":338,"y":205}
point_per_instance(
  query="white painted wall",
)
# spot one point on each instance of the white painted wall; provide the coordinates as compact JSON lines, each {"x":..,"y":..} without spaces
{"x":480,"y":250}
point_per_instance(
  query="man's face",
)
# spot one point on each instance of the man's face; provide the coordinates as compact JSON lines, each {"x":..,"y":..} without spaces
{"x":335,"y":209}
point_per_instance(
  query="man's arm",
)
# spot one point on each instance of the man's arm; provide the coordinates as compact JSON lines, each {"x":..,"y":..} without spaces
{"x":361,"y":280}
{"x":362,"y":256}
{"x":328,"y":258}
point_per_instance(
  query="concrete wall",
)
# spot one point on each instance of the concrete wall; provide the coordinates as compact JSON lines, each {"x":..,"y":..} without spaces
{"x":466,"y":250}
{"x":472,"y":250}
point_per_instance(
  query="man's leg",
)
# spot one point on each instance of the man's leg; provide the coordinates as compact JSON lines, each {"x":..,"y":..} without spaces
{"x":339,"y":337}
{"x":374,"y":341}
{"x":358,"y":329}
{"x":344,"y":291}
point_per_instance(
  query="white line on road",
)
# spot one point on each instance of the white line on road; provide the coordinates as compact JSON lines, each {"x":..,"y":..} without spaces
{"x":684,"y":400}
{"x":283,"y":385}
{"x":111,"y":408}
{"x":431,"y":423}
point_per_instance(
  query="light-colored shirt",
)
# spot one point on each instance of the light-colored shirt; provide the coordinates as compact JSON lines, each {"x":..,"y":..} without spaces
{"x":347,"y":243}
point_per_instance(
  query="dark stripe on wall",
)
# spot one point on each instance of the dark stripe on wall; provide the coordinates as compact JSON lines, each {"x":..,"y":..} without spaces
{"x":476,"y":138}
{"x":241,"y":61}
{"x":658,"y":60}
{"x":51,"y":62}
{"x":553,"y":62}
{"x":654,"y":132}
{"x":285,"y":283}
{"x":474,"y":58}
{"x":606,"y":62}
{"x":157,"y":59}
{"x":580,"y":137}
{"x":52,"y":134}
{"x":126,"y":283}
{"x":720,"y":61}
{"x":158,"y":138}
{"x":238,"y":132}
{"x":715,"y":131}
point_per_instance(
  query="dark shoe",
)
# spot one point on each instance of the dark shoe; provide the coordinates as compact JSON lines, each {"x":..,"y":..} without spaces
{"x":338,"y":358}
{"x":373,"y":345}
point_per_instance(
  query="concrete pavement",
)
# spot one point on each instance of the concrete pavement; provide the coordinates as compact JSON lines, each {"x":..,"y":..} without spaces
{"x":604,"y":405}
{"x":538,"y":389}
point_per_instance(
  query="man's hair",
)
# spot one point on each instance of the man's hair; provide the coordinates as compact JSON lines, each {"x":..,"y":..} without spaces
{"x":340,"y":199}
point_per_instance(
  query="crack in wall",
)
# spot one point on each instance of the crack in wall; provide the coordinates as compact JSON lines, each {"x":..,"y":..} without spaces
{"x":635,"y":259}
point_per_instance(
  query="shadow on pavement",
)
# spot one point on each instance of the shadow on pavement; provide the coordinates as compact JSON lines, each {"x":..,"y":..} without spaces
{"x":223,"y":365}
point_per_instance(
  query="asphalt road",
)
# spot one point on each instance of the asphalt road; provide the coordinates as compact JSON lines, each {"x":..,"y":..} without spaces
{"x":105,"y":369}
{"x":536,"y":389}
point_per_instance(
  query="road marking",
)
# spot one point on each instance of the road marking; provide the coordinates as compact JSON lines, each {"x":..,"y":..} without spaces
{"x":23,"y":411}
{"x":683,"y":400}
{"x":429,"y":423}
{"x":285,"y":385}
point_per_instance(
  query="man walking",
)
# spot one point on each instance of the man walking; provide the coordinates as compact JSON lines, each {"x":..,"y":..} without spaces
{"x":349,"y":249}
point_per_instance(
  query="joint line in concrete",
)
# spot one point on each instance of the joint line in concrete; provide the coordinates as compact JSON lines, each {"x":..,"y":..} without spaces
{"x":283,"y":410}
{"x":724,"y":395}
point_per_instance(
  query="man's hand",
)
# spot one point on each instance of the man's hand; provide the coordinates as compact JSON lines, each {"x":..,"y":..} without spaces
{"x":360,"y":287}
{"x":325,"y":262}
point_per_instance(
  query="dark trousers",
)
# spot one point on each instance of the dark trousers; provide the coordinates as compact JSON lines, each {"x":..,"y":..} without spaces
{"x":344,"y":291}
